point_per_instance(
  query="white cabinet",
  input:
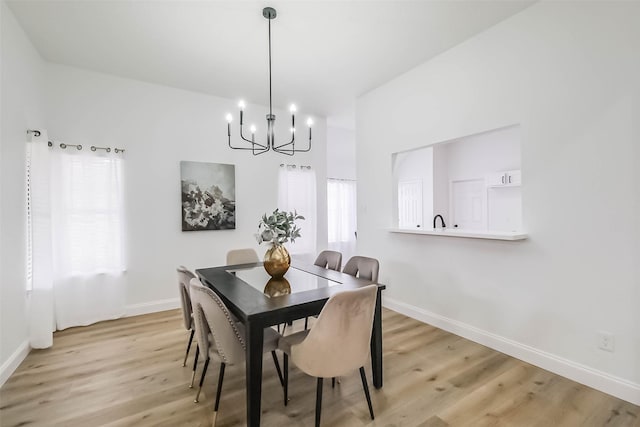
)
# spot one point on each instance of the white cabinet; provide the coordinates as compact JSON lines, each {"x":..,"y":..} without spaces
{"x":504,"y":179}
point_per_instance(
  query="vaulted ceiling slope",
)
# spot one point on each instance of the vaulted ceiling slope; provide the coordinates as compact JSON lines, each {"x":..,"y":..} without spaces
{"x":325,"y":53}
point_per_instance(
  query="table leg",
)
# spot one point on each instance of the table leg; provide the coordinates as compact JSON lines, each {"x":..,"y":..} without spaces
{"x":376,"y":343}
{"x":255,"y":337}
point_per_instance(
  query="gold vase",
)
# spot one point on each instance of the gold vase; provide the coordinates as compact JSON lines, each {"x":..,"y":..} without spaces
{"x":277,"y":261}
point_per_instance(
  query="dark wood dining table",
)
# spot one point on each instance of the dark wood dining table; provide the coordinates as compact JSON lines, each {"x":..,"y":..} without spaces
{"x":259,"y":302}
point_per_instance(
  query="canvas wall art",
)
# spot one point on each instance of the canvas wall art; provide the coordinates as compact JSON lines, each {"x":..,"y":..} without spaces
{"x":208,"y":196}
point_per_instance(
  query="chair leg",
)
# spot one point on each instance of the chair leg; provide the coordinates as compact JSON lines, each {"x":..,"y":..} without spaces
{"x":204,"y":372}
{"x":365,"y":386}
{"x":275,"y":362}
{"x":333,"y":382}
{"x":318,"y":402}
{"x":218,"y":393}
{"x":184,"y":362}
{"x":306,"y":323}
{"x":286,"y":378}
{"x":195,"y":363}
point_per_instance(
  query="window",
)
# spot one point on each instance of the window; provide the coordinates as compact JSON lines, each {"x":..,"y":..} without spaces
{"x":297,"y":192}
{"x":341,"y":216}
{"x":87,"y":214}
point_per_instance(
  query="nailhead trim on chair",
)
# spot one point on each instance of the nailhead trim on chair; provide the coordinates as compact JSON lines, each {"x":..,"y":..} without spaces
{"x":231,"y":322}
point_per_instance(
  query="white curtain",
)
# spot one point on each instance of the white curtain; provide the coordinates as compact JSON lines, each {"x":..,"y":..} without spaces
{"x":80,"y":243}
{"x":39,"y":270}
{"x":297,"y":192}
{"x":341,"y":216}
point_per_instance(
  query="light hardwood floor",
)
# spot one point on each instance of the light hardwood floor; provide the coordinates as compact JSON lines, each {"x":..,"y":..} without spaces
{"x":128,"y":372}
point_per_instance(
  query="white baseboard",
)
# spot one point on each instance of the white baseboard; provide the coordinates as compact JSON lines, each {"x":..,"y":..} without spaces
{"x":12,"y":363}
{"x":599,"y":380}
{"x":152,"y":307}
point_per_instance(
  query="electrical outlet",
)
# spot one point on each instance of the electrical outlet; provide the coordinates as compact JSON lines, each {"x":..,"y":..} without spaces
{"x":606,"y":341}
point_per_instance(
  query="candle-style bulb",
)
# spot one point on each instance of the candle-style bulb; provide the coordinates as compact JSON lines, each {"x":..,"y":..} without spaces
{"x":253,"y":128}
{"x":229,"y":117}
{"x":293,"y":108}
{"x":309,"y":122}
{"x":241,"y":104}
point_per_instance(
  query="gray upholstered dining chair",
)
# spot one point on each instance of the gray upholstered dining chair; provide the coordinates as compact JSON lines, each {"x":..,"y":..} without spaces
{"x":184,"y":277}
{"x":221,"y":337}
{"x":362,"y":267}
{"x":242,"y":256}
{"x":338,"y":343}
{"x":329,"y":259}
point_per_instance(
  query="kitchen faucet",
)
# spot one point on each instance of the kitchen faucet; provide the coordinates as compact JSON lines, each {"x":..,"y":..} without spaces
{"x":441,"y":219}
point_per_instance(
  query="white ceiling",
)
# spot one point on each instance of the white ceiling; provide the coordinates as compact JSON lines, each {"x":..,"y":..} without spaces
{"x":325,"y":53}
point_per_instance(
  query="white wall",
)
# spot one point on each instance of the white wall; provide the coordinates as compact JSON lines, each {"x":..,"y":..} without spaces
{"x":341,"y":153}
{"x":160,"y":126}
{"x":22,"y":89}
{"x":568,"y":73}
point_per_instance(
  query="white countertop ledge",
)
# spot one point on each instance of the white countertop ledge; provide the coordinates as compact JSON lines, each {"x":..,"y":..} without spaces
{"x":457,"y":232}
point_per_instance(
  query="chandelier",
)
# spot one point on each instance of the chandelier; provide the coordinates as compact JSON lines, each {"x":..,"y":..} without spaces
{"x":256,"y":148}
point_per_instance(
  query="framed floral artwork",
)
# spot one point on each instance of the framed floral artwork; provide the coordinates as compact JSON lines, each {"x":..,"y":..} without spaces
{"x":208,"y":196}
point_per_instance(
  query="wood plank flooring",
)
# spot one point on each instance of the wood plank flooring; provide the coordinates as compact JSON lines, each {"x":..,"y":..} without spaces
{"x":129,"y":372}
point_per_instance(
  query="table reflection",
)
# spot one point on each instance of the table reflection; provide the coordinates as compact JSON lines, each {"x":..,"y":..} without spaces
{"x":277,"y":287}
{"x":293,"y":281}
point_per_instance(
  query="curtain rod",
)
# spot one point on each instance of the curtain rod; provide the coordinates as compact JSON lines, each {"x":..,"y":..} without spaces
{"x":342,"y":179}
{"x":78,"y":147}
{"x":282,"y":165}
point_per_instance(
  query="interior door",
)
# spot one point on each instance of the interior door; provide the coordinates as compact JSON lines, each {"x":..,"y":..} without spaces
{"x":410,"y":204}
{"x":468,"y":204}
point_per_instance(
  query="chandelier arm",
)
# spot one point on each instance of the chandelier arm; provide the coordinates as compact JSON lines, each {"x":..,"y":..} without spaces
{"x":293,"y":149}
{"x":293,"y":133}
{"x":293,"y":140}
{"x":247,"y":148}
{"x":288,"y":153}
{"x":253,"y":146}
{"x":252,"y":142}
{"x":259,"y":152}
{"x":229,"y":136}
